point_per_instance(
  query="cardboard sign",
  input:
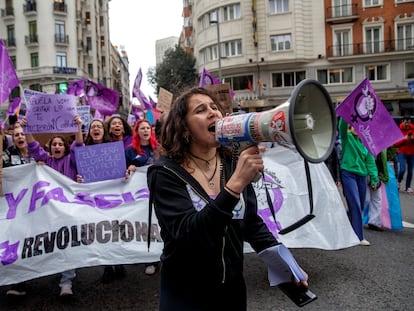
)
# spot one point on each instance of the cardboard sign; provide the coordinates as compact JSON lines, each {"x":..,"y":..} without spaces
{"x":165,"y":99}
{"x":101,"y":161}
{"x":222,"y":93}
{"x":51,"y":113}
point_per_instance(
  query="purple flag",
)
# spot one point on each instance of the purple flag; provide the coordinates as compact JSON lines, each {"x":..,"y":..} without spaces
{"x":363,"y":110}
{"x":152,"y":102}
{"x":14,"y":104}
{"x":207,"y":78}
{"x":137,"y":112}
{"x":137,"y":84}
{"x":76,"y":88}
{"x":8,"y":76}
{"x":101,"y":98}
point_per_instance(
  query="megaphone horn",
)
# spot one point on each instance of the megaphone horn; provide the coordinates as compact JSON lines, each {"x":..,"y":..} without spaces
{"x":306,"y":122}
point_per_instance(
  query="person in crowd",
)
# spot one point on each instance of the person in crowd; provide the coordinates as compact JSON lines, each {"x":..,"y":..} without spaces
{"x":374,"y":199}
{"x":98,"y":134}
{"x":17,"y":154}
{"x":356,"y":164}
{"x":61,"y":157}
{"x":406,"y":154}
{"x":119,"y":130}
{"x":333,"y":165}
{"x":142,"y":151}
{"x":206,"y":210}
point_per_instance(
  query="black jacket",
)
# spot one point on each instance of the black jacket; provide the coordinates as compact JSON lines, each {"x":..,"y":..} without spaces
{"x":203,"y":244}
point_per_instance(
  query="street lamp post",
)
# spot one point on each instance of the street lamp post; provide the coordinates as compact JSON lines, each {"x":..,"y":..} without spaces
{"x":214,"y":19}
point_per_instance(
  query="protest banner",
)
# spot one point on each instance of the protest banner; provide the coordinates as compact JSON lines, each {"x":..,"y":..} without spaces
{"x":101,"y":161}
{"x":222,"y":93}
{"x":49,"y":223}
{"x":51,"y":113}
{"x":165,"y":99}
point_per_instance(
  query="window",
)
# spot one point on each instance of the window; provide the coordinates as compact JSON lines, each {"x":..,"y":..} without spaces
{"x":233,"y":48}
{"x":373,"y":40}
{"x":102,"y":40}
{"x":87,"y":18}
{"x":60,"y":31}
{"x":90,"y":70}
{"x":101,"y":21}
{"x":61,"y":59}
{"x":88,"y":43}
{"x":278,"y":6}
{"x":231,"y":12}
{"x":32,"y":31}
{"x":341,"y":8}
{"x":34,"y":59}
{"x":372,"y":3}
{"x":11,"y":37}
{"x":281,"y":42}
{"x":335,"y":75}
{"x":409,"y":70}
{"x":405,"y":37}
{"x":376,"y":72}
{"x":13,"y":60}
{"x":342,"y":42}
{"x":239,"y":83}
{"x":212,"y":52}
{"x":284,"y":79}
{"x":36,"y":87}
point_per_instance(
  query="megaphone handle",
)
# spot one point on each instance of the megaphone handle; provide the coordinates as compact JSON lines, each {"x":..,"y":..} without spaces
{"x":309,"y":183}
{"x":237,"y":148}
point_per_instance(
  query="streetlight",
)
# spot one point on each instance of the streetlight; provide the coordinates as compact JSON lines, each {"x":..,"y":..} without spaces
{"x":214,"y":19}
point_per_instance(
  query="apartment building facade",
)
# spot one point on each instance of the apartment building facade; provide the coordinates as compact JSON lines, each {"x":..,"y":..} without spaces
{"x":268,"y":46}
{"x":53,"y":42}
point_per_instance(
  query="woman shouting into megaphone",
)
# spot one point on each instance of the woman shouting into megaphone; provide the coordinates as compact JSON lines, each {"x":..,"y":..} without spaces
{"x":206,"y":208}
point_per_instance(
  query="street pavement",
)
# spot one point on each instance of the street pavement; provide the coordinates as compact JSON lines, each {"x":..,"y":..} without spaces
{"x":376,"y":277}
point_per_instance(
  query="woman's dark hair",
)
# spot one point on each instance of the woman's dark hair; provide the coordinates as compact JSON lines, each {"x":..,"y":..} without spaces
{"x":65,"y":143}
{"x":174,"y":142}
{"x":127,"y":127}
{"x":105,"y":139}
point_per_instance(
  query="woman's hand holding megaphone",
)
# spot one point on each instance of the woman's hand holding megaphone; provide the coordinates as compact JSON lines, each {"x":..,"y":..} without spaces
{"x":249,"y":165}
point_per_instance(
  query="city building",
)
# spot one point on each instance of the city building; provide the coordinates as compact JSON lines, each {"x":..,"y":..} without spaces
{"x":265,"y":48}
{"x":53,"y":42}
{"x":162,"y":45}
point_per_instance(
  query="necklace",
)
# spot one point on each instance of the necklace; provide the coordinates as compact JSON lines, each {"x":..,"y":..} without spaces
{"x":210,"y":181}
{"x":207,"y":161}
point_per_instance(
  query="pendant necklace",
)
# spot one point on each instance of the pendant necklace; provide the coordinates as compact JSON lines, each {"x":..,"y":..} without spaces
{"x":210,"y":181}
{"x":206,"y":161}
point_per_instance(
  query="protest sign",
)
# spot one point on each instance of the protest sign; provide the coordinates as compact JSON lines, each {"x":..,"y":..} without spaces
{"x":222,"y":93}
{"x":51,"y":113}
{"x":101,"y":161}
{"x":165,"y":99}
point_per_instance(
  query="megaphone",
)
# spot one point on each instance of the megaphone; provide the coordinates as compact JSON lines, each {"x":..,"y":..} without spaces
{"x":306,"y":122}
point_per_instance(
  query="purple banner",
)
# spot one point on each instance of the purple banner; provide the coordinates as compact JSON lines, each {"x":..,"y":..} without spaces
{"x":51,"y":113}
{"x":101,"y":98}
{"x":101,"y":161}
{"x":363,"y":110}
{"x":76,"y":88}
{"x":8,"y":76}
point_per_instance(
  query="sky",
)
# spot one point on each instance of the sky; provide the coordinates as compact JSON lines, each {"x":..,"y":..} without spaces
{"x":137,"y":24}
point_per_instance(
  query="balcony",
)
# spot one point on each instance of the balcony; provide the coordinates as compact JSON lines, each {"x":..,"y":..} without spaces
{"x":65,"y":70}
{"x":31,"y":40}
{"x":60,"y":8}
{"x":29,"y":8}
{"x":370,"y":48}
{"x":342,"y":13}
{"x":61,"y":39}
{"x":7,"y":13}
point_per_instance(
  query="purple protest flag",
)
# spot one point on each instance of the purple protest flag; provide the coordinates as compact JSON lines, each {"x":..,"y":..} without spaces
{"x":137,"y":84}
{"x":144,"y":100}
{"x":97,"y":115}
{"x":152,"y":102}
{"x":14,"y":104}
{"x":8,"y":76}
{"x":101,"y":98}
{"x":363,"y":110}
{"x":207,"y":78}
{"x":76,"y":88}
{"x":138,"y":112}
